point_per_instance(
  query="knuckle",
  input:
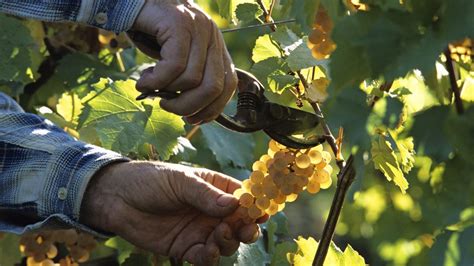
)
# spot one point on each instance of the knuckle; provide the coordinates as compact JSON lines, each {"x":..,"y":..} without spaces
{"x":178,"y":66}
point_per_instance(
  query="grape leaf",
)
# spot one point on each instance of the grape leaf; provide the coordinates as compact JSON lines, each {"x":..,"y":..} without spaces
{"x":123,"y":124}
{"x":248,"y":12}
{"x":279,"y":256}
{"x":251,"y":254}
{"x":230,"y":148}
{"x":285,"y":37}
{"x":15,"y":51}
{"x":302,"y":10}
{"x":278,"y":81}
{"x":227,"y":8}
{"x":69,"y":107}
{"x":300,"y":57}
{"x":386,"y":161}
{"x":335,"y":257}
{"x":460,"y":132}
{"x":264,"y":48}
{"x":406,"y":152}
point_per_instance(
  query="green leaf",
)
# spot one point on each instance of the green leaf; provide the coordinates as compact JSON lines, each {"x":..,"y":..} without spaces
{"x":406,"y":151}
{"x":460,"y":132}
{"x":285,"y":37}
{"x":123,"y":124}
{"x":301,"y":58}
{"x":335,"y":257}
{"x":230,"y":148}
{"x":278,"y":81}
{"x":69,"y":107}
{"x":265,"y":48}
{"x":251,"y":254}
{"x":386,"y":161}
{"x":279,"y":256}
{"x":227,"y":8}
{"x":16,"y":43}
{"x":302,"y":10}
{"x":248,"y":12}
{"x":123,"y":248}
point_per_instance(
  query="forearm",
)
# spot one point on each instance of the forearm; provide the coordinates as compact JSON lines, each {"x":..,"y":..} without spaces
{"x":43,"y":171}
{"x":113,"y":15}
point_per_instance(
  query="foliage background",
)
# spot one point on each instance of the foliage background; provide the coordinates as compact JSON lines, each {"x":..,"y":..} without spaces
{"x":430,"y":224}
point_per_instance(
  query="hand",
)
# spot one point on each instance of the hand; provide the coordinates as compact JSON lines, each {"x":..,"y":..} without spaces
{"x":169,"y":209}
{"x":193,"y":59}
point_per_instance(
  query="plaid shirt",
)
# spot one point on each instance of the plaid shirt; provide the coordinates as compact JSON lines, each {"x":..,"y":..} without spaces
{"x":43,"y":172}
{"x":113,"y":15}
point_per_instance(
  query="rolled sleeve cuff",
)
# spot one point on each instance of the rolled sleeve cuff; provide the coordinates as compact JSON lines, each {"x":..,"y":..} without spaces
{"x":112,"y":15}
{"x":68,"y":174}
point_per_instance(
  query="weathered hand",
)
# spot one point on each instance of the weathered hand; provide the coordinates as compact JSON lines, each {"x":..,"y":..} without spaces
{"x":193,"y":59}
{"x":168,"y":209}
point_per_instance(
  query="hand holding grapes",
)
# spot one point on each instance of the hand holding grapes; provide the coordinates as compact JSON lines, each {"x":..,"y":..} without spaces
{"x":193,"y":59}
{"x":168,"y":209}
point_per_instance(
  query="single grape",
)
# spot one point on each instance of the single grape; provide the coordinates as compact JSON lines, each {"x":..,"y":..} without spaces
{"x":326,"y":184}
{"x":313,"y":187}
{"x":52,"y":252}
{"x":322,"y":176}
{"x":247,"y":184}
{"x":262,"y":203}
{"x":316,"y":36}
{"x":257,"y":190}
{"x":291,"y":197}
{"x":257,"y":177}
{"x":272,"y":209}
{"x":238,"y":192}
{"x":315,"y":156}
{"x":255,"y":212}
{"x":280,"y":199}
{"x":264,"y":158}
{"x":259,"y":166}
{"x":246,"y":200}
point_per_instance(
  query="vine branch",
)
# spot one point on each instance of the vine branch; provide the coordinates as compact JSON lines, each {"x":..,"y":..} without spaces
{"x":453,"y":82}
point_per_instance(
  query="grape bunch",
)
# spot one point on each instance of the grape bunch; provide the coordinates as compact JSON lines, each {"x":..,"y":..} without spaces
{"x":319,"y":41}
{"x":41,"y":248}
{"x":462,"y":51}
{"x":280,"y":175}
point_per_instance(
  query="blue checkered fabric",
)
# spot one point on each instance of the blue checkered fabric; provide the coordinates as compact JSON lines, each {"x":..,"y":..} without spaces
{"x":43,"y":172}
{"x":113,"y":15}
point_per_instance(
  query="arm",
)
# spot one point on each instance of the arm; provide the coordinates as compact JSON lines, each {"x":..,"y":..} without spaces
{"x":113,"y":15}
{"x":43,"y":171}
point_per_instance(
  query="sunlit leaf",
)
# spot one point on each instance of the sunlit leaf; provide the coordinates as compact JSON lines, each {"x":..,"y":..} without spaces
{"x":385,"y":160}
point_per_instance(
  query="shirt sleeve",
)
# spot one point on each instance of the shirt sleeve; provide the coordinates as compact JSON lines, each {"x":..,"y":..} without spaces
{"x":44,"y":172}
{"x":112,"y":15}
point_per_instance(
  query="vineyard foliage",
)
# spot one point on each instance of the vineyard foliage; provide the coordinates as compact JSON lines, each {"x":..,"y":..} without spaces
{"x":379,"y":69}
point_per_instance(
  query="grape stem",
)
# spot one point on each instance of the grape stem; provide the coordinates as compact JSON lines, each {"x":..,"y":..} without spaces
{"x":453,"y":82}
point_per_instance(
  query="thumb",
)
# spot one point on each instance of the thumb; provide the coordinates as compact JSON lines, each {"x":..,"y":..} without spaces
{"x":209,"y":199}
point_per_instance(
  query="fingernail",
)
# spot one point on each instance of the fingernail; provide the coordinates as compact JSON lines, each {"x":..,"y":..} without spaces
{"x":225,"y":200}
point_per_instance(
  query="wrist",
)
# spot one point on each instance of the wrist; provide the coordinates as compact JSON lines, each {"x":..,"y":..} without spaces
{"x":100,"y":202}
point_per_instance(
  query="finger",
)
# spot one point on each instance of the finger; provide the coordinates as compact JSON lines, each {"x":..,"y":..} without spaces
{"x":219,"y":180}
{"x":201,"y":254}
{"x":249,"y":233}
{"x":212,"y":111}
{"x":193,"y":75}
{"x":196,"y":231}
{"x":224,"y":238}
{"x":174,"y":58}
{"x":192,"y":101}
{"x":207,"y":198}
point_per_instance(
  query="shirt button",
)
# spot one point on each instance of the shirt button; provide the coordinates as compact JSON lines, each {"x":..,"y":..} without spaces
{"x":62,"y":193}
{"x":101,"y":18}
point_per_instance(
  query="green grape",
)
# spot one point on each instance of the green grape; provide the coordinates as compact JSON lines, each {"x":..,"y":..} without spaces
{"x":257,"y":177}
{"x":303,"y":161}
{"x":262,"y":202}
{"x":246,"y":200}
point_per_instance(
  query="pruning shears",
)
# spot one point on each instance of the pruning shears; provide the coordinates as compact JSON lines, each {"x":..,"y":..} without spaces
{"x":286,"y":125}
